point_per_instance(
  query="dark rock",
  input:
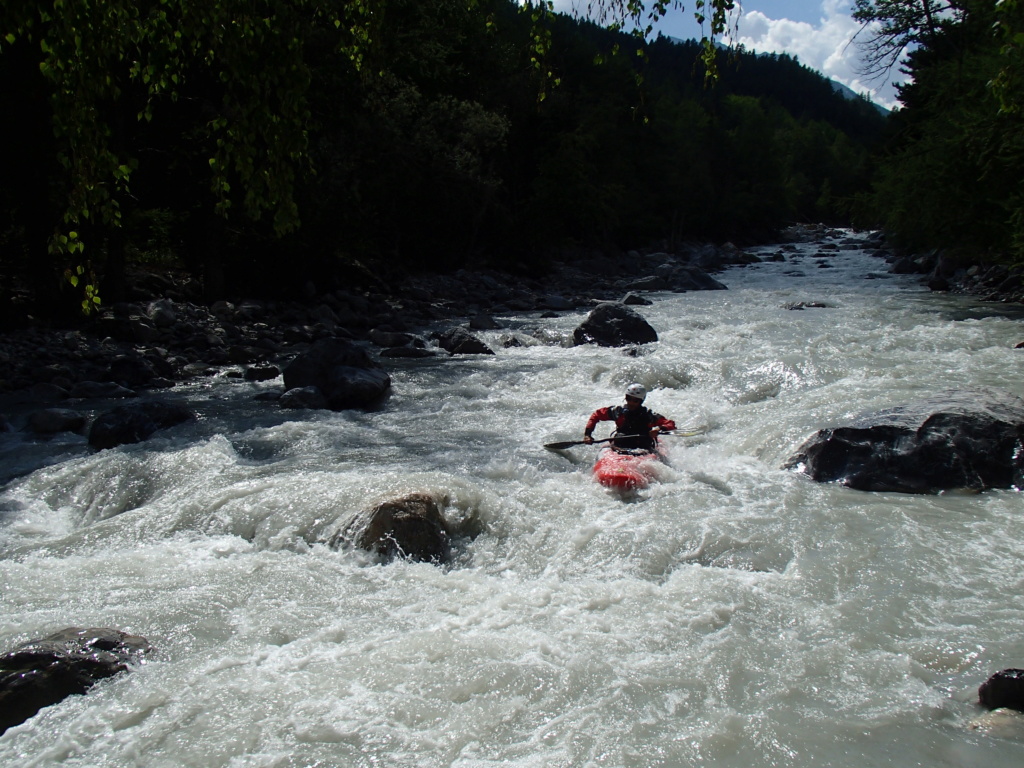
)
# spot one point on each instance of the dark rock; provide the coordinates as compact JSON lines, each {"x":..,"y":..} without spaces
{"x":303,"y":397}
{"x":262,"y":373}
{"x":484,"y":323}
{"x":459,"y":341}
{"x":384,"y":338}
{"x":46,"y":671}
{"x":558,"y":303}
{"x":89,"y":390}
{"x":905,"y":265}
{"x":636,"y":300}
{"x":162,"y":313}
{"x":135,"y":423}
{"x":414,"y":352}
{"x":50,"y":421}
{"x":649,"y":283}
{"x":412,"y":527}
{"x":971,"y":439}
{"x":614,"y":325}
{"x":691,"y":278}
{"x":805,"y":305}
{"x":343,"y":372}
{"x":47,"y":393}
{"x":1003,"y":689}
{"x":131,"y":371}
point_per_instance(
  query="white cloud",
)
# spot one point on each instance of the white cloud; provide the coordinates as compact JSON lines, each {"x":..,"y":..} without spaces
{"x":827,"y":46}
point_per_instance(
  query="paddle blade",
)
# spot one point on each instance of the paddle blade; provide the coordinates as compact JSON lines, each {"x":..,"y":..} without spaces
{"x":562,"y":445}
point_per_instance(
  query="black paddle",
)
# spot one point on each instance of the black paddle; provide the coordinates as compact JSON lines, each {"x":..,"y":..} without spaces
{"x":571,"y":443}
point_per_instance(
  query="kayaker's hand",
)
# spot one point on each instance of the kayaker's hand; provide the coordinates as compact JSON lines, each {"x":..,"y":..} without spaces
{"x":588,"y":439}
{"x":655,"y":432}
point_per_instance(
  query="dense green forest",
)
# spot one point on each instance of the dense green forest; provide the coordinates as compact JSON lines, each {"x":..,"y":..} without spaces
{"x":951,"y":173}
{"x":262,"y":145}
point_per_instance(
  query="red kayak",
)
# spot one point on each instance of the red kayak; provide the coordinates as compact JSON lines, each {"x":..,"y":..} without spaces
{"x":625,"y":469}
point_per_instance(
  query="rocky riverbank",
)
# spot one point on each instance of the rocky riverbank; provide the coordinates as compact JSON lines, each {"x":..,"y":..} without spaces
{"x":157,"y":341}
{"x":162,"y":338}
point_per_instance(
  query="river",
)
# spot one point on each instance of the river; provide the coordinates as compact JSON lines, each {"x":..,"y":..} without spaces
{"x":733,"y":614}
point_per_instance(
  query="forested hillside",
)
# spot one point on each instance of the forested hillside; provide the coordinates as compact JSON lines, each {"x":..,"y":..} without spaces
{"x":259,"y":146}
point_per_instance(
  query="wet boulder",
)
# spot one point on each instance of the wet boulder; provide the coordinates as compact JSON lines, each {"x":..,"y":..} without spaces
{"x":692,"y":278}
{"x":411,"y":527}
{"x":612,"y":324}
{"x":1004,"y":689}
{"x":459,"y":341}
{"x":45,"y":671}
{"x":958,"y":439}
{"x":265,"y":372}
{"x":50,"y":421}
{"x":135,"y":423}
{"x":344,"y":373}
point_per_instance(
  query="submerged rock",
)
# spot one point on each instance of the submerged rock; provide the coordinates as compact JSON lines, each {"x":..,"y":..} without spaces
{"x":959,"y":439}
{"x":612,"y":324}
{"x":413,"y":527}
{"x":46,"y":671}
{"x":135,"y":423}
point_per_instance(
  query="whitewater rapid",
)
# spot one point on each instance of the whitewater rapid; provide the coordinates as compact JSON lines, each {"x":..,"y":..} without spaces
{"x":734,"y":614}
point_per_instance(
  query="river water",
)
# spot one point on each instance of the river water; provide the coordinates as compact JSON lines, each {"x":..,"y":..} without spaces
{"x":734,"y":614}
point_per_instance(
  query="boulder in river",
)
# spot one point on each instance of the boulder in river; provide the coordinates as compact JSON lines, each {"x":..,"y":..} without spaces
{"x":459,"y":341}
{"x":612,"y":324}
{"x":45,"y":671}
{"x":1003,"y":689}
{"x":344,"y":373}
{"x":958,"y":439}
{"x":135,"y":423}
{"x":50,"y":421}
{"x":412,"y":526}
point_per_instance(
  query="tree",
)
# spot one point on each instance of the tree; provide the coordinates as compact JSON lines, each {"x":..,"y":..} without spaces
{"x":893,"y":26}
{"x":113,"y":66}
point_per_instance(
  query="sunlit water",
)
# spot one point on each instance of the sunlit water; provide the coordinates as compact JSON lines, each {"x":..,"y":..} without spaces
{"x":734,"y":614}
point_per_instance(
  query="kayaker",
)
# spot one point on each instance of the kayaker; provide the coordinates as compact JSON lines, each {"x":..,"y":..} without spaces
{"x":635,"y":425}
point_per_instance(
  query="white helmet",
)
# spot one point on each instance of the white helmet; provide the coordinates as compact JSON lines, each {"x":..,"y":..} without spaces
{"x":636,"y":390}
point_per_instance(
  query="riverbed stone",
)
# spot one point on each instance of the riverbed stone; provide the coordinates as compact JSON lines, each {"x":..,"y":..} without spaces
{"x":1003,"y":689}
{"x":50,"y":421}
{"x":459,"y":341}
{"x":411,"y":527}
{"x":91,"y":390}
{"x":957,"y":439}
{"x":344,"y":373}
{"x":611,"y":324}
{"x":46,"y":671}
{"x":135,"y":423}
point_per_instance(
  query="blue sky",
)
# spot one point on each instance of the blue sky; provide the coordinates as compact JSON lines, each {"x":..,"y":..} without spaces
{"x":817,"y":32}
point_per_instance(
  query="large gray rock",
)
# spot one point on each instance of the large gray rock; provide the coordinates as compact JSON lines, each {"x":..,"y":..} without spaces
{"x":412,"y":527}
{"x":614,"y":325}
{"x":343,"y":372}
{"x":44,"y":672}
{"x":959,"y":439}
{"x":135,"y":423}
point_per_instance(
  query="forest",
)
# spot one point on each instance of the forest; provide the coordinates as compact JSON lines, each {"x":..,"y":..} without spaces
{"x":261,"y":146}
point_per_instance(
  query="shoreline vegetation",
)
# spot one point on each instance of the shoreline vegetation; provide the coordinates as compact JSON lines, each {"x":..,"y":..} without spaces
{"x":303,"y":153}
